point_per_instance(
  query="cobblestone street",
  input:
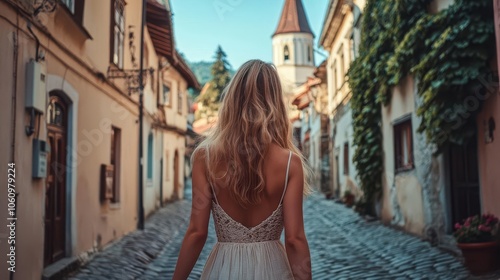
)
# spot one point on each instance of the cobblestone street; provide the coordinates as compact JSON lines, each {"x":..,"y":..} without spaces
{"x":343,"y":246}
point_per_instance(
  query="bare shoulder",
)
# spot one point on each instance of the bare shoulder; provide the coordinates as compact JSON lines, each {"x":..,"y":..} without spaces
{"x":278,"y":153}
{"x":199,"y":155}
{"x":295,"y":164}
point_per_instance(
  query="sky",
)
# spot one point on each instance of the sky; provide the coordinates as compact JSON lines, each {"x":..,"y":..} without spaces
{"x":242,"y":27}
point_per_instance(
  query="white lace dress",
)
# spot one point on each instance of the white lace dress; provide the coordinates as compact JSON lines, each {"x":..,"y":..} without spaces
{"x":243,"y":253}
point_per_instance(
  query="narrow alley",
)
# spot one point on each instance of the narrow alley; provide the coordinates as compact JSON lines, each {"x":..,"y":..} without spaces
{"x":343,"y":246}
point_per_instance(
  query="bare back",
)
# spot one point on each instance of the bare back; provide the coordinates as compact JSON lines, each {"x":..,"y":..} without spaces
{"x":275,"y":167}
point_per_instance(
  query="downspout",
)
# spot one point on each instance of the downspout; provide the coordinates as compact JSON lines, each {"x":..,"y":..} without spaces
{"x":15,"y":42}
{"x":158,"y":81}
{"x":140,"y":222}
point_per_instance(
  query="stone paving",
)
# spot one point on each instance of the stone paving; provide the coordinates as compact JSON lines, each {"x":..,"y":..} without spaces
{"x":343,"y":246}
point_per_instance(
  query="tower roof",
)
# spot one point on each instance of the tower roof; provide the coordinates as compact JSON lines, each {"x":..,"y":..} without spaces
{"x":293,"y":19}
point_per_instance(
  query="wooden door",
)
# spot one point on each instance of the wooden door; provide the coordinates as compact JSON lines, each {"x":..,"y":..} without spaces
{"x":464,"y":180}
{"x":55,"y":195}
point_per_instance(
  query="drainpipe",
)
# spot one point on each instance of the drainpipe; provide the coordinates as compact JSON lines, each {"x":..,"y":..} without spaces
{"x":161,"y":179}
{"x":140,"y":222}
{"x":15,"y":43}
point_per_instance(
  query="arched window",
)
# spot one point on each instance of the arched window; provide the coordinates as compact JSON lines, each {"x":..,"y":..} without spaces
{"x":309,"y":54}
{"x":286,"y":53}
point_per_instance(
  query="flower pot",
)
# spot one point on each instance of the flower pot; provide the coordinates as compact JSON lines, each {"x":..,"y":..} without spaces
{"x":480,"y":258}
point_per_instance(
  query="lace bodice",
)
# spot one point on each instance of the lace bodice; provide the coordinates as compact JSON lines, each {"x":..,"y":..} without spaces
{"x":229,"y":230}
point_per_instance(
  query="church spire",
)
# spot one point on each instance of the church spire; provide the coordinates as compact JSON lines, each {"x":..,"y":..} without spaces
{"x":293,"y":19}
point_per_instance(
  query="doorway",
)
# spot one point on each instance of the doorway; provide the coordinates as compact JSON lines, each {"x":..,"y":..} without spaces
{"x":464,"y":179}
{"x":55,"y":192}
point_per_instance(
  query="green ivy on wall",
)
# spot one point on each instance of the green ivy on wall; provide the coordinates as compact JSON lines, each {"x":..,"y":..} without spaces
{"x":447,"y":53}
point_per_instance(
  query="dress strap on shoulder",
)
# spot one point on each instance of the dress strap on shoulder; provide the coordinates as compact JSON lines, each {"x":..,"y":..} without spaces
{"x":286,"y":177}
{"x":213,"y":192}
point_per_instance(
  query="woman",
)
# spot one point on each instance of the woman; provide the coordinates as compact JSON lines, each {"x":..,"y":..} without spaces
{"x":250,"y":175}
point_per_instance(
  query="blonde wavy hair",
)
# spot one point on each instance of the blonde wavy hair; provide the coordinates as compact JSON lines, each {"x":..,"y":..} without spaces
{"x":251,"y":117}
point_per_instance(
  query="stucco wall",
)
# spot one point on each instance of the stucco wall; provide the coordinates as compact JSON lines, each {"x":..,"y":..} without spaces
{"x":344,"y":134}
{"x":402,"y":192}
{"x":489,"y":155}
{"x":30,"y":202}
{"x":94,"y":105}
{"x":417,"y":199}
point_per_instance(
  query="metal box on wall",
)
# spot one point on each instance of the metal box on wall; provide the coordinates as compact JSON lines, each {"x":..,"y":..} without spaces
{"x":41,"y":149}
{"x":36,"y":92}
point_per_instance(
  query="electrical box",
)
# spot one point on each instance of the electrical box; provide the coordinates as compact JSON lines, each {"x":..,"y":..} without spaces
{"x":107,"y":181}
{"x":41,"y":149}
{"x":36,"y":93}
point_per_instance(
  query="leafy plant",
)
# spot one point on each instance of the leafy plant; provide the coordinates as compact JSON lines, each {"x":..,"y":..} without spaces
{"x":448,"y":53}
{"x":477,"y":229}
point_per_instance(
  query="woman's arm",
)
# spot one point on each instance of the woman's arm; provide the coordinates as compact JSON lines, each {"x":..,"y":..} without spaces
{"x":196,"y":234}
{"x":296,"y":245}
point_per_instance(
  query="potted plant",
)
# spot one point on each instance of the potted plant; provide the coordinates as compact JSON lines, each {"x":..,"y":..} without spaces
{"x":348,"y":198}
{"x":477,"y":237}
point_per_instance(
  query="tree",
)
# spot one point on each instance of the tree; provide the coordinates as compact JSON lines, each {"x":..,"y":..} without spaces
{"x":220,"y":78}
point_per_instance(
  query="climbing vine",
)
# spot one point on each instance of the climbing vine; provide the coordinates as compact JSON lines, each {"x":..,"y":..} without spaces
{"x":447,"y":53}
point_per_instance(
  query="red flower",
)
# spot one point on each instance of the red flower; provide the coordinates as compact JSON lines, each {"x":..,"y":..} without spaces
{"x":458,"y":226}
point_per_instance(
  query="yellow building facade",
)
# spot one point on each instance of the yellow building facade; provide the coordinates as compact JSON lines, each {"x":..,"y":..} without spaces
{"x":70,"y":122}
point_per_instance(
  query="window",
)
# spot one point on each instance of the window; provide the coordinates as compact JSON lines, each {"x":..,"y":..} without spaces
{"x":352,"y":51}
{"x":403,"y":145}
{"x":335,"y":78}
{"x":117,"y":32}
{"x":342,"y":64}
{"x":309,"y":53}
{"x":166,"y":95}
{"x":115,"y":162}
{"x":346,"y":158}
{"x":286,"y":53}
{"x":75,"y":7}
{"x":179,"y":102}
{"x":150,"y":157}
{"x":70,"y":4}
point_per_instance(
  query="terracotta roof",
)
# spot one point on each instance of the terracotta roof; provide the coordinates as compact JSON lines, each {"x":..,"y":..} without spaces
{"x":293,"y":19}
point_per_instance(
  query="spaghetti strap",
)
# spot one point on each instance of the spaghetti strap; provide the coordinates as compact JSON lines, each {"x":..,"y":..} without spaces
{"x":213,"y":192}
{"x":286,"y":177}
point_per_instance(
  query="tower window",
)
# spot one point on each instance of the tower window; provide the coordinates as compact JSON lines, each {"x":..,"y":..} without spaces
{"x":309,"y":53}
{"x":287,"y":53}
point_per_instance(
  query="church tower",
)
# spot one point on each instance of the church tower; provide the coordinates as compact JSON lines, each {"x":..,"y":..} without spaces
{"x":293,"y":46}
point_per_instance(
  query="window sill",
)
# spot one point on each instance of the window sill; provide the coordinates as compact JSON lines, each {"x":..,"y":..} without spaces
{"x":114,"y":205}
{"x":113,"y":66}
{"x":404,"y":169}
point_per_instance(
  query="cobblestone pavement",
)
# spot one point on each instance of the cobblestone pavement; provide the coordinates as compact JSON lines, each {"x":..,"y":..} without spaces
{"x":343,"y":246}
